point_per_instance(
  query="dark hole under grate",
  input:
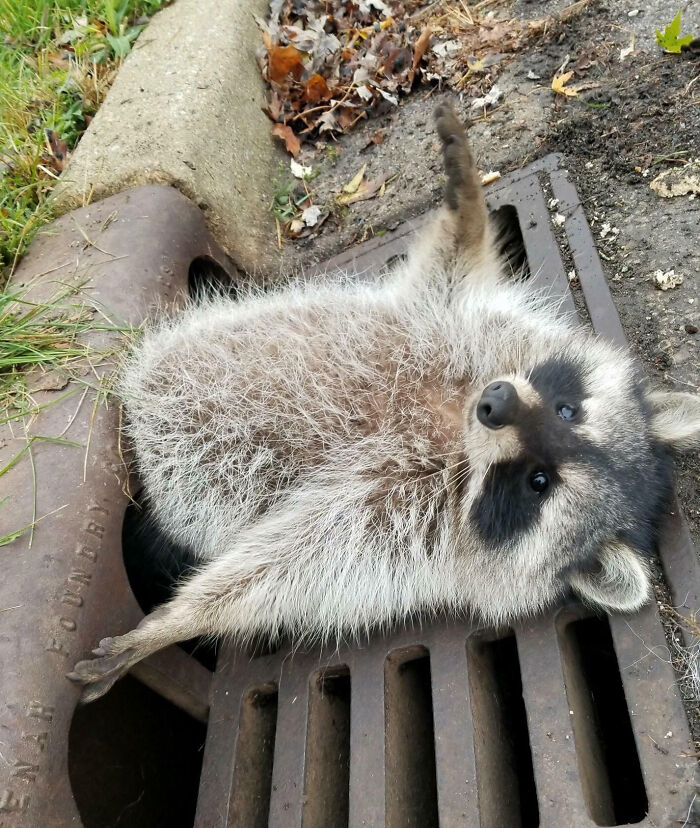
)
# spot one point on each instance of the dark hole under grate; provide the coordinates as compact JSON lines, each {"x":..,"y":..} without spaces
{"x":411,"y":788}
{"x":206,"y":279}
{"x":505,"y":778}
{"x":252,"y":778}
{"x":611,"y":777}
{"x":509,"y":240}
{"x":134,"y":760}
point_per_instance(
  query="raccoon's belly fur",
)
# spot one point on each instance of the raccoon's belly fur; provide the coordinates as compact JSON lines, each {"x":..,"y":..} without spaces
{"x":342,"y":405}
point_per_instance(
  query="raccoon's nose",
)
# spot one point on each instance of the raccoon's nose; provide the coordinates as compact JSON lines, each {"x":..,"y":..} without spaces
{"x":498,"y":405}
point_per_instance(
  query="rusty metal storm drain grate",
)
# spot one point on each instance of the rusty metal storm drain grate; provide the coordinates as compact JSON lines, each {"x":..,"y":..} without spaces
{"x":567,"y":720}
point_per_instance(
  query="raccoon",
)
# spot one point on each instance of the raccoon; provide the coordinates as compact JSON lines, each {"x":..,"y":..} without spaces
{"x":342,"y":455}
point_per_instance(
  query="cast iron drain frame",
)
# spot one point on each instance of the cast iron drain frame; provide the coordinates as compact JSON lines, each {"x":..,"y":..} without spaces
{"x":70,"y":587}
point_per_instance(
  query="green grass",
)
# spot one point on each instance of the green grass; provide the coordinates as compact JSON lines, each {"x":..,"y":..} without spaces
{"x":57,"y":61}
{"x":34,"y":335}
{"x":50,"y":336}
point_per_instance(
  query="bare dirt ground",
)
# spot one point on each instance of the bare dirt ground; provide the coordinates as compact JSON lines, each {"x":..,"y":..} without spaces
{"x":642,"y":118}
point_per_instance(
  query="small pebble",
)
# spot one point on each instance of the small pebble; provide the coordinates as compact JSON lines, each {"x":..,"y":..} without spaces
{"x":691,"y":329}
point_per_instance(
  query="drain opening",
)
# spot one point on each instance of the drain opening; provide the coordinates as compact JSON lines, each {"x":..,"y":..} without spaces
{"x":608,"y":763}
{"x":255,"y":748}
{"x":505,"y":777}
{"x":154,"y":565}
{"x":206,"y":279}
{"x":327,"y":771}
{"x":411,"y":786}
{"x":120,"y":760}
{"x":509,"y":240}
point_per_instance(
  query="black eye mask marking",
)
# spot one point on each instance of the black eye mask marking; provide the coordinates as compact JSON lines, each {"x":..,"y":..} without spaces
{"x":508,"y":506}
{"x":558,"y":381}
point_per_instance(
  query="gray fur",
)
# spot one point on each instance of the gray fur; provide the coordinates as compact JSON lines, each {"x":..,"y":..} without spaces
{"x":317,"y":447}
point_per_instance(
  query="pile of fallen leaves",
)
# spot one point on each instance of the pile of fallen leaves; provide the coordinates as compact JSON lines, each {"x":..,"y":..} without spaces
{"x":331,"y":64}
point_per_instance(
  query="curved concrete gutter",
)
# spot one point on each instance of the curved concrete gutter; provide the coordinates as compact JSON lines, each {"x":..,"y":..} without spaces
{"x":186,"y":110}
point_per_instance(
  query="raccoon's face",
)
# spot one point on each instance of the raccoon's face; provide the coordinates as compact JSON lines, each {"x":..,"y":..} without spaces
{"x":570,"y":473}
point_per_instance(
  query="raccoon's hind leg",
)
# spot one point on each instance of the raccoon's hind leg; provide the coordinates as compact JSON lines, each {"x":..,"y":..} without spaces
{"x":206,"y":604}
{"x":460,"y":239}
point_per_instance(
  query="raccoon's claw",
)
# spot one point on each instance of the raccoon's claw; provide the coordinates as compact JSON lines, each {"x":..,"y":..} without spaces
{"x":99,"y":674}
{"x":97,"y":689}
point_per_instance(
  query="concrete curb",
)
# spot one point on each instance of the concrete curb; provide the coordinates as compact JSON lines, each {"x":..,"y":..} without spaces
{"x":185,"y":109}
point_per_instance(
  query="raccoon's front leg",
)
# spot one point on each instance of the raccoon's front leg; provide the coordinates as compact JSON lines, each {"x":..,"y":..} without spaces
{"x":459,"y":240}
{"x":467,"y":215}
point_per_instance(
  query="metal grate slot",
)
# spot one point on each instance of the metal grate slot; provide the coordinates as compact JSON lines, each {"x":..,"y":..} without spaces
{"x":252,"y":775}
{"x":327,"y":773}
{"x":411,"y":787}
{"x":505,"y":778}
{"x":510,"y":240}
{"x":608,"y":762}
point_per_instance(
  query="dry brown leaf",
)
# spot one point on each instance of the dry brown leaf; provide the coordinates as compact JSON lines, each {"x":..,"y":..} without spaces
{"x":420,"y":47}
{"x":317,"y":89}
{"x":275,"y":107}
{"x":367,"y":190}
{"x":475,"y":65}
{"x":559,"y":85}
{"x":286,"y":134}
{"x":283,"y":61}
{"x":59,"y":150}
{"x":353,"y":185}
{"x":43,"y":380}
{"x":59,"y":59}
{"x":377,"y":138}
{"x":327,"y":122}
{"x":489,"y":177}
{"x":346,"y":117}
{"x":268,"y":43}
{"x":501,"y":34}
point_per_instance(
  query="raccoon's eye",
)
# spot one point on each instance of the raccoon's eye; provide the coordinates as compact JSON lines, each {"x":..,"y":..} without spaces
{"x":539,"y":481}
{"x":566,"y":412}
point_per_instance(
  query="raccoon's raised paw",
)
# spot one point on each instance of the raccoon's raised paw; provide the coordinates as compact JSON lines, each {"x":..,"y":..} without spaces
{"x":449,"y":127}
{"x":455,"y":151}
{"x":100,"y":673}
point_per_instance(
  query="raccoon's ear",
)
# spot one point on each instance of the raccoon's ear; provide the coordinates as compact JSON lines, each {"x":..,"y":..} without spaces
{"x":675,"y":418}
{"x":619,"y":583}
